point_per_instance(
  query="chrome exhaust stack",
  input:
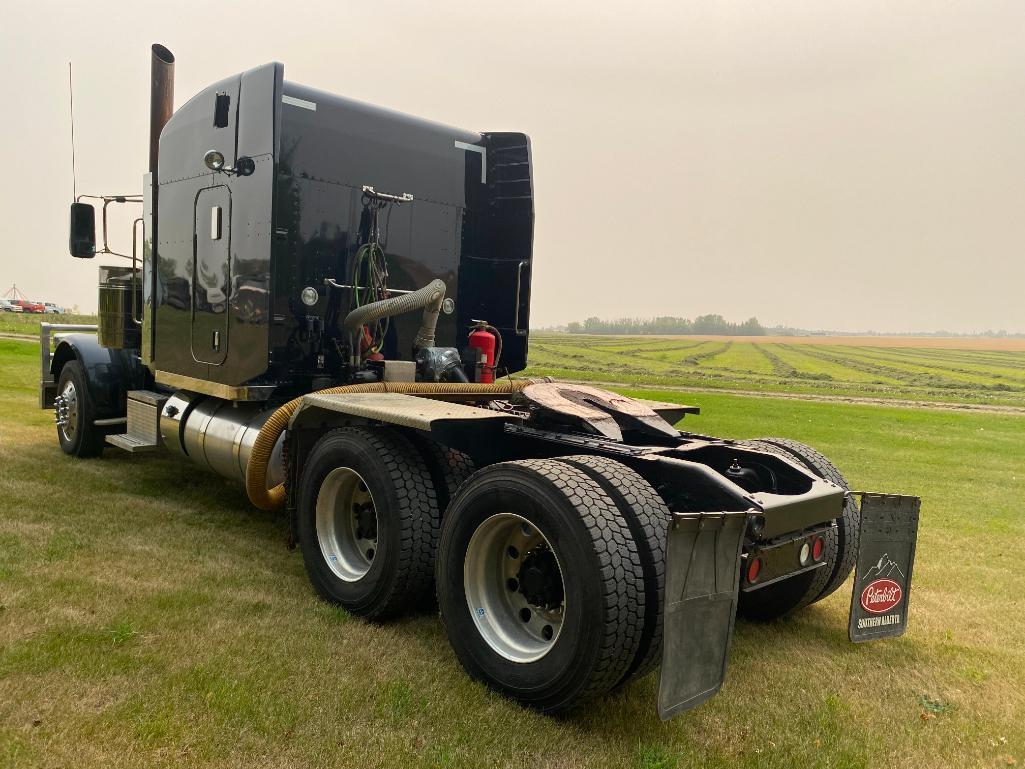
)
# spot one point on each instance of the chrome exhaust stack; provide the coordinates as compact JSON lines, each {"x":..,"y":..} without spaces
{"x":161,"y":100}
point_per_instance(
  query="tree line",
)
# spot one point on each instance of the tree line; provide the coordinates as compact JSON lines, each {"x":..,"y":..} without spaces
{"x":667,"y":324}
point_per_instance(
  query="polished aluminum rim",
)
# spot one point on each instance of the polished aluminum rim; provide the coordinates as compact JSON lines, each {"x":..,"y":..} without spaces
{"x":514,"y":588}
{"x":346,"y":524}
{"x":67,"y":411}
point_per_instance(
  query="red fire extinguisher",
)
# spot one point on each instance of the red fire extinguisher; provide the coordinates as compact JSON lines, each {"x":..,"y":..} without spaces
{"x":486,"y":338}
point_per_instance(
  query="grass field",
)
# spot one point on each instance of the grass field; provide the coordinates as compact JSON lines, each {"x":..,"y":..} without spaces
{"x":979,"y":372}
{"x":150,"y":617}
{"x":28,"y":323}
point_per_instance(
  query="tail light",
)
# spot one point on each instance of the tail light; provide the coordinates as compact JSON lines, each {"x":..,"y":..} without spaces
{"x":817,"y":548}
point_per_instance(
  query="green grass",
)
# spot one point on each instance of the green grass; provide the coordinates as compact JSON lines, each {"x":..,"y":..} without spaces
{"x":968,"y":376}
{"x":28,"y":323}
{"x":150,"y":617}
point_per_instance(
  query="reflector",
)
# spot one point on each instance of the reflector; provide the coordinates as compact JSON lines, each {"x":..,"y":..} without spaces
{"x":754,"y":569}
{"x":816,"y":549}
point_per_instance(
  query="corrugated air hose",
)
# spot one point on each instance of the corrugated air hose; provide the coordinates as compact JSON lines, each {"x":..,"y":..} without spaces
{"x":429,"y":298}
{"x":256,"y":470}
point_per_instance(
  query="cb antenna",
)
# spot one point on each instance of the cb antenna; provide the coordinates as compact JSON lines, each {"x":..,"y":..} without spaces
{"x":71,"y":100}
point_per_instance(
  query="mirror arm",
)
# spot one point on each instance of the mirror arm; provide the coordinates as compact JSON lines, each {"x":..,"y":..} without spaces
{"x":107,"y":200}
{"x":111,"y":198}
{"x":106,"y":248}
{"x":137,"y":320}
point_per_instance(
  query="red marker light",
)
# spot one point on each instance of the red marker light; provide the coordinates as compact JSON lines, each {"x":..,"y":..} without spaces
{"x":754,"y":569}
{"x":816,"y":549}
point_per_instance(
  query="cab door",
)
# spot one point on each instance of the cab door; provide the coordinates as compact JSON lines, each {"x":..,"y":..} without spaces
{"x":211,"y":274}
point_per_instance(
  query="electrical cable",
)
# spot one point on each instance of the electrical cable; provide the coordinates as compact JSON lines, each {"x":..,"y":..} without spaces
{"x":370,"y":279}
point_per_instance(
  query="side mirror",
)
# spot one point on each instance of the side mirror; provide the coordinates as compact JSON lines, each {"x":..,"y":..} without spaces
{"x":82,"y":241}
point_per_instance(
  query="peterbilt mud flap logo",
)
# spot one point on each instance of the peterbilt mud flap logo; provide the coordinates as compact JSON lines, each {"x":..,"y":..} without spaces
{"x":889,"y":528}
{"x":881,"y":596}
{"x":883,"y":593}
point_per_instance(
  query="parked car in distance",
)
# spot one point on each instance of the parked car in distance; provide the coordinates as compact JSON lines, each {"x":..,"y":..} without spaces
{"x":53,"y":308}
{"x":6,"y":305}
{"x":30,"y":306}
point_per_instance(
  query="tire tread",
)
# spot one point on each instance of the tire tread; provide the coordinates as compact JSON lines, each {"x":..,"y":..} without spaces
{"x":620,"y":569}
{"x":619,"y":574}
{"x":648,"y":518}
{"x":844,"y":536}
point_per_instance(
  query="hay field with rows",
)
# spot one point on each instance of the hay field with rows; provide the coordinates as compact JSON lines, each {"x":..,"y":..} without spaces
{"x":957,"y":371}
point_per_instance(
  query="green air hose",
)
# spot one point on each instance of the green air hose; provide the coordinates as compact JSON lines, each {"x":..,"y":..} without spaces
{"x":370,"y":262}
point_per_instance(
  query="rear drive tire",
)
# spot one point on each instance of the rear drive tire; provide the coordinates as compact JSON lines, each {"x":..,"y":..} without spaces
{"x":648,"y":518}
{"x":540,"y":584}
{"x":449,"y":468}
{"x":841,"y":543}
{"x":368,"y":522}
{"x":78,"y":436}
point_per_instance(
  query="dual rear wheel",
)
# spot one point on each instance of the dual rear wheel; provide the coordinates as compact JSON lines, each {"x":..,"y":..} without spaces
{"x":368,"y":522}
{"x":543,"y":581}
{"x":548,"y":573}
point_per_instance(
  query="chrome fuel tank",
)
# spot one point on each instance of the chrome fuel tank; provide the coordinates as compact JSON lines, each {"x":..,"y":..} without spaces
{"x":218,"y":434}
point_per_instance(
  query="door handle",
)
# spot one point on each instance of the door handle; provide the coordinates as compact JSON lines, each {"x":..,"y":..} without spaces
{"x":519,"y":285}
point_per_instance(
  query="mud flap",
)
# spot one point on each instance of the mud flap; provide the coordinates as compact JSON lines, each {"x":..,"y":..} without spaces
{"x":882,"y":579}
{"x":702,"y":582}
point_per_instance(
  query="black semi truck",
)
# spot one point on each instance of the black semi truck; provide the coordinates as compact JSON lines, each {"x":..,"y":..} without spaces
{"x":327,"y":301}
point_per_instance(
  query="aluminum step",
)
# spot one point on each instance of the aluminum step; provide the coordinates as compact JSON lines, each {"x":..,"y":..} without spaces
{"x":131,"y":443}
{"x":143,"y":433}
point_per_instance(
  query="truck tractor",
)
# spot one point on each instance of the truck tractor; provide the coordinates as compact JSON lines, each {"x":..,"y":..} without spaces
{"x":328,"y":301}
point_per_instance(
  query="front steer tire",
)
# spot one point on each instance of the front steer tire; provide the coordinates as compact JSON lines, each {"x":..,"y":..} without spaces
{"x":79,"y":437}
{"x":841,"y":542}
{"x":375,"y":562}
{"x":601,"y":618}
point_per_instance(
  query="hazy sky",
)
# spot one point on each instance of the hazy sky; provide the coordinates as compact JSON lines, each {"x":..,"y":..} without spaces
{"x":842,"y":165}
